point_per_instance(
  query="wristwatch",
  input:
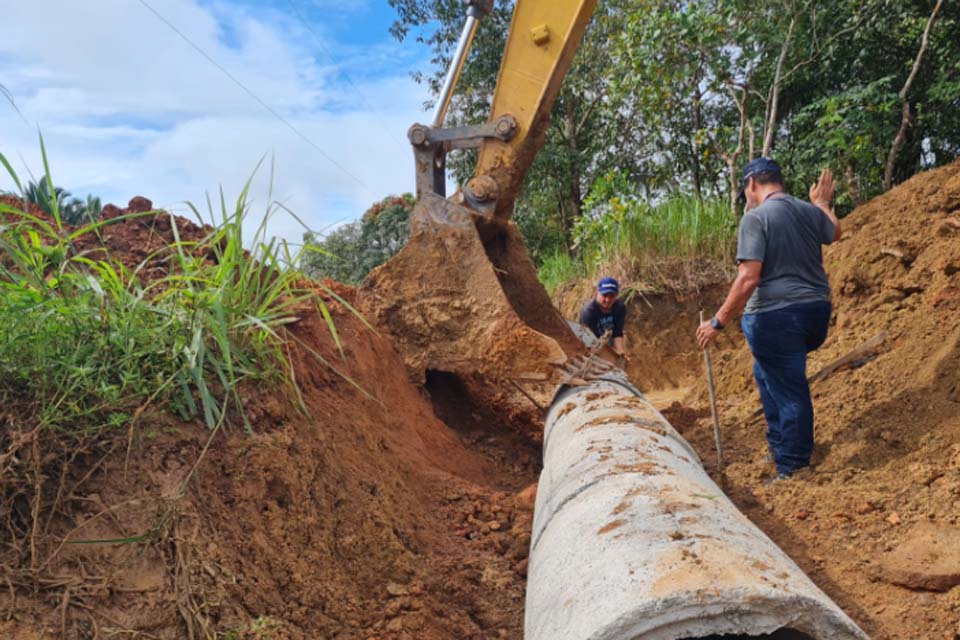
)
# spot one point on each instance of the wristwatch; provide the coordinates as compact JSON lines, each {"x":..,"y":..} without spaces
{"x":716,"y":324}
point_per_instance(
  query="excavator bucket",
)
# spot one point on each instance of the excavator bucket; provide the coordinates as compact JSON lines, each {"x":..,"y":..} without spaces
{"x":463,"y":296}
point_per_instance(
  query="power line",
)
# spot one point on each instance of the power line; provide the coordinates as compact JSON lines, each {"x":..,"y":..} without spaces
{"x":340,"y":69}
{"x":270,"y":109}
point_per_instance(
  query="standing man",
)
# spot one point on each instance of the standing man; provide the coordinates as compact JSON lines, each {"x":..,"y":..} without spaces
{"x":781,"y":282}
{"x":605,"y":313}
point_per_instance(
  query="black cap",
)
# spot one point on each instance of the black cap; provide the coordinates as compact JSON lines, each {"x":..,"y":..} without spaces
{"x":755,"y":166}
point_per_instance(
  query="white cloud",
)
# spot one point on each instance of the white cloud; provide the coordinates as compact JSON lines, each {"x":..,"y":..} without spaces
{"x":127,"y":107}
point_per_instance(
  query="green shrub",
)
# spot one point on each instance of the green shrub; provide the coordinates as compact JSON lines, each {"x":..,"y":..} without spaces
{"x":622,"y":225}
{"x":558,"y":268}
{"x":622,"y":228}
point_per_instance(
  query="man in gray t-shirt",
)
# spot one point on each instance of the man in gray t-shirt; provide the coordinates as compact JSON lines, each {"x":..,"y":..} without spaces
{"x":782,"y":289}
{"x":785,"y":234}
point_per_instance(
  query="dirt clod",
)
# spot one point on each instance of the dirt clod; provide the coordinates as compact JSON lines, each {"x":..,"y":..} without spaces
{"x":928,"y":558}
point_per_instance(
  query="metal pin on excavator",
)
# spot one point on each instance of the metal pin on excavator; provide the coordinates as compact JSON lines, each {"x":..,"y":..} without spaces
{"x":463,"y":295}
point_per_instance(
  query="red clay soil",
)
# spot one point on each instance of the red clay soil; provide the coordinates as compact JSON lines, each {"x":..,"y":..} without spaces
{"x":887,"y":458}
{"x":396,"y":516}
{"x":141,"y":242}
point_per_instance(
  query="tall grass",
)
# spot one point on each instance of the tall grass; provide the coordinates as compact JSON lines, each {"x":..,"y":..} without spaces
{"x":558,"y":268}
{"x":680,"y":242}
{"x":86,"y":344}
{"x":632,"y":230}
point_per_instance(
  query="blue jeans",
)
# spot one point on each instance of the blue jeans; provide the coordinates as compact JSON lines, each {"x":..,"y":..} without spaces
{"x":780,"y":341}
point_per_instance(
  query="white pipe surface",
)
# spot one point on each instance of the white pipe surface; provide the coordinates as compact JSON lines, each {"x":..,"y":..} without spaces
{"x":632,"y":539}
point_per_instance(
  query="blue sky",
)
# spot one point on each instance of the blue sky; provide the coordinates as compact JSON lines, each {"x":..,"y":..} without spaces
{"x":127,"y":107}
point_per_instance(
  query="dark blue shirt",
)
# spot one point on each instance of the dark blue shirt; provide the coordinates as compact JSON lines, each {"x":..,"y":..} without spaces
{"x":599,"y":321}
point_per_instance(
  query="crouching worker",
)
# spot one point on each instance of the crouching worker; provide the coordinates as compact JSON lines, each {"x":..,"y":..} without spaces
{"x":606,"y":314}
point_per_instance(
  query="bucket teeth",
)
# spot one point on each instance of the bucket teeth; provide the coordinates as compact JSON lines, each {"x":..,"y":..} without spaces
{"x":585,"y":367}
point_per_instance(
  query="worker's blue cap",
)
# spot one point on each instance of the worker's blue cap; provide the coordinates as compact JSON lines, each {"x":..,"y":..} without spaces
{"x":608,"y":285}
{"x":755,"y":166}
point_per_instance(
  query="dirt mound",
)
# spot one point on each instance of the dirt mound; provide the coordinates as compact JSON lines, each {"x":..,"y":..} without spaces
{"x":21,"y":205}
{"x":367,"y":517}
{"x":142,"y":242}
{"x":888,"y":427}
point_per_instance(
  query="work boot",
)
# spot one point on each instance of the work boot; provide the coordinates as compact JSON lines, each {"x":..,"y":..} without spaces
{"x":780,"y":477}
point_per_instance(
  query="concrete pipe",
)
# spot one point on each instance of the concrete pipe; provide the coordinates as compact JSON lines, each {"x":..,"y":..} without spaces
{"x":633,"y":540}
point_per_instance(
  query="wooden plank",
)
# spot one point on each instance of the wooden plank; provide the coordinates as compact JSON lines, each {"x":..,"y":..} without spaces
{"x":863,"y":350}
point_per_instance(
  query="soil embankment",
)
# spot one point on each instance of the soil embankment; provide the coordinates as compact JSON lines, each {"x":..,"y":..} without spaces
{"x":406,"y":515}
{"x":392,"y":514}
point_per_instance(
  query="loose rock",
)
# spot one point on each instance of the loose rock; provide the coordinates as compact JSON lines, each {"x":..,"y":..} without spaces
{"x":929,"y":559}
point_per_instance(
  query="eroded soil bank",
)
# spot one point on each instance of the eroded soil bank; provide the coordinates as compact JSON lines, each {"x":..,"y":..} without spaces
{"x":886,"y":477}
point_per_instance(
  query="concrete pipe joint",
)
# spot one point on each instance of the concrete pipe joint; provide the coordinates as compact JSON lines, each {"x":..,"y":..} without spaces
{"x":632,"y":539}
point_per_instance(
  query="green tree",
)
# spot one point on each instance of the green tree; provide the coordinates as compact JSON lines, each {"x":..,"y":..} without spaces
{"x":813,"y":83}
{"x":72,"y":210}
{"x":349,"y":252}
{"x":676,"y":96}
{"x":846,"y":111}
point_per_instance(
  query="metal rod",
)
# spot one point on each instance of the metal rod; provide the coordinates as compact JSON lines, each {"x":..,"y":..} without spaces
{"x":524,"y":392}
{"x":713,"y":407}
{"x":456,"y":66}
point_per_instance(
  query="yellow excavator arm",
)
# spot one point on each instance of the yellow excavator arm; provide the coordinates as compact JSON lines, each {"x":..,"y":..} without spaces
{"x":544,"y":37}
{"x":463,"y":296}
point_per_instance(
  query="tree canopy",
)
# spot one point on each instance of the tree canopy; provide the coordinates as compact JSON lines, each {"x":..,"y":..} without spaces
{"x":349,"y":252}
{"x":678,"y":95}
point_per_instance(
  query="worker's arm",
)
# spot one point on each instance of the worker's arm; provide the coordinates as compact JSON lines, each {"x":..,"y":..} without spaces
{"x":821,"y":195}
{"x":748,"y":277}
{"x":619,"y":322}
{"x":588,"y":318}
{"x":620,"y":346}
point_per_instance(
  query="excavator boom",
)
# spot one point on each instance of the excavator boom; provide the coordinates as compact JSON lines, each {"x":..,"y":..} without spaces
{"x":544,"y":37}
{"x":463,"y":295}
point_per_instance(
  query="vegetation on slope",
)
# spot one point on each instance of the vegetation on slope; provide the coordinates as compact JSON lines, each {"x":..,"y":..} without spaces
{"x":624,"y":234}
{"x":91,"y":342}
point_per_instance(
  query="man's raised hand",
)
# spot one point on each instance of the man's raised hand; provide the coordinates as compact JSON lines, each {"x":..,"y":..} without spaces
{"x":821,"y":193}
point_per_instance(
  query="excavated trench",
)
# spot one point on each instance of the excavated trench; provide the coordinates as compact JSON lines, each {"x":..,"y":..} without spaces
{"x":507,"y":437}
